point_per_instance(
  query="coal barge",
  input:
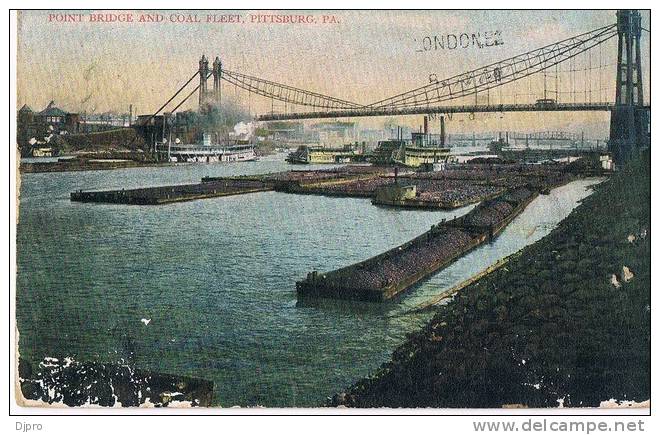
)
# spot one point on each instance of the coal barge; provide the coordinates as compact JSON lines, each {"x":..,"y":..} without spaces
{"x":389,"y":274}
{"x":170,"y":194}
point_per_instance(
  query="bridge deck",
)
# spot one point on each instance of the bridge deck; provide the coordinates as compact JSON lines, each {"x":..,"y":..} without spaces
{"x":422,"y":110}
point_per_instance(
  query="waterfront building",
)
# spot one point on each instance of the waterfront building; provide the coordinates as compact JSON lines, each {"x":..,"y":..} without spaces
{"x":36,"y":128}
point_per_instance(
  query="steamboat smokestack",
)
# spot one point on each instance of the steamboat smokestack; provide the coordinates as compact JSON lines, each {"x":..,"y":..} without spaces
{"x":442,"y":131}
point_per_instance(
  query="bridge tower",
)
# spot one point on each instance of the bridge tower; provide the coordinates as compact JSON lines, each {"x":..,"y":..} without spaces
{"x":629,"y":121}
{"x":203,"y":89}
{"x":217,"y":74}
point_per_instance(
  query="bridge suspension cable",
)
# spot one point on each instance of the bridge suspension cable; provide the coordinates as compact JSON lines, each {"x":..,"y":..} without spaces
{"x":285,"y":93}
{"x":170,"y":100}
{"x":499,"y":73}
{"x":146,"y":121}
{"x":188,"y":96}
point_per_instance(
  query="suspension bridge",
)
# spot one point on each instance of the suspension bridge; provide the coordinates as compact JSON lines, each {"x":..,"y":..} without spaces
{"x":570,"y":63}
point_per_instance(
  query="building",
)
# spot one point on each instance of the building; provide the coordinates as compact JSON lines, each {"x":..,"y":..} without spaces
{"x":372,"y":136}
{"x":96,"y":122}
{"x":285,"y":131}
{"x":335,"y":133}
{"x":35,"y":129}
{"x":25,"y":126}
{"x":151,"y":128}
{"x":182,"y":125}
{"x":57,"y":120}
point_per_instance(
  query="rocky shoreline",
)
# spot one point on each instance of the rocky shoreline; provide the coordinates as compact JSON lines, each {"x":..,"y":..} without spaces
{"x":67,"y":382}
{"x":565,"y":323}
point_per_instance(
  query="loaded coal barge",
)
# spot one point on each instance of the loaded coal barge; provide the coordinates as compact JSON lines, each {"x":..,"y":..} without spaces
{"x":389,"y":274}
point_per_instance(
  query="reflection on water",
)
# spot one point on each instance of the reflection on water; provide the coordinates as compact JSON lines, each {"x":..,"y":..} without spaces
{"x":217,"y":279}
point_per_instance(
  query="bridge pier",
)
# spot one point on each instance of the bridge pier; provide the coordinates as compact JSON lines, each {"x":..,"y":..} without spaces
{"x":217,"y":75}
{"x":629,"y":122}
{"x":629,"y":132}
{"x":203,"y":89}
{"x":209,"y":97}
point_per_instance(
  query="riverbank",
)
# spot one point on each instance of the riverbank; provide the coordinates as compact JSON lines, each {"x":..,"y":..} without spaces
{"x":77,"y":164}
{"x":566,"y":322}
{"x":72,"y":383}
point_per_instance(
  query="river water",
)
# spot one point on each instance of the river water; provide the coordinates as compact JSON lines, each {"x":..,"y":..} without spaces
{"x":216,"y":278}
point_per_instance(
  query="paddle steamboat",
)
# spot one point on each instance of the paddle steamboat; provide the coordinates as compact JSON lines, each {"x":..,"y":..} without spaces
{"x":227,"y":150}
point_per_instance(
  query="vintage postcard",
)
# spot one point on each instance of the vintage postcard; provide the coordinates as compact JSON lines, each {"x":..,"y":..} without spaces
{"x":332,"y":209}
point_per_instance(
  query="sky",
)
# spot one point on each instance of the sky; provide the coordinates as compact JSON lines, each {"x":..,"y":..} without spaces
{"x":361,"y":56}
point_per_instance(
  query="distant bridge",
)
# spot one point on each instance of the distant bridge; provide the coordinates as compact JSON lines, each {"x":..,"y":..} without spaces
{"x":547,"y":135}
